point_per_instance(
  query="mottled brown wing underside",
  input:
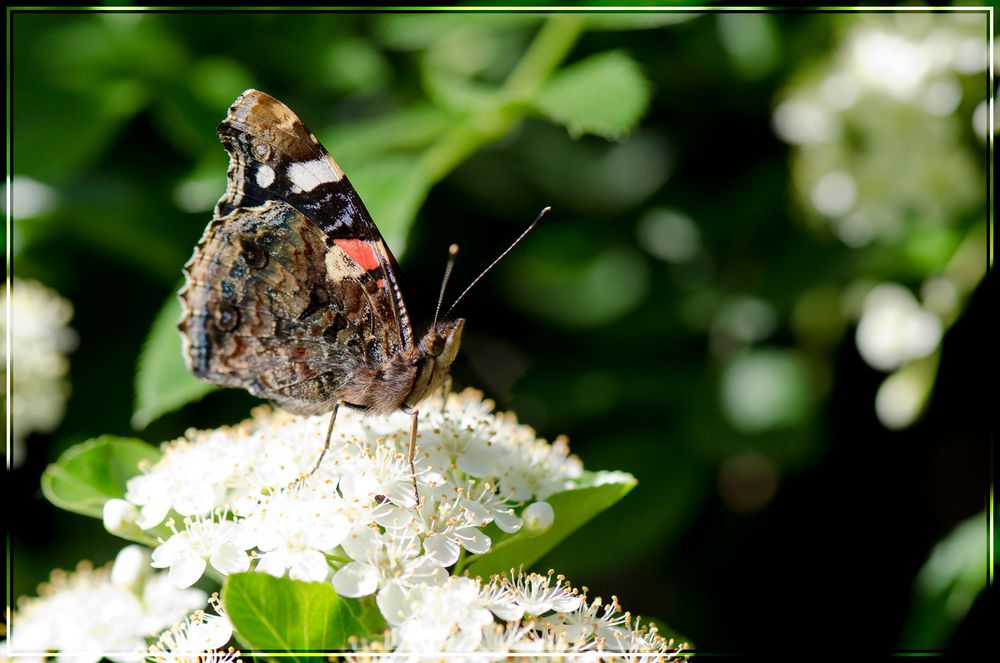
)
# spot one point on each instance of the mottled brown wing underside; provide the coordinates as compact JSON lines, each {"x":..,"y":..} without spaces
{"x":270,"y":321}
{"x":291,"y":292}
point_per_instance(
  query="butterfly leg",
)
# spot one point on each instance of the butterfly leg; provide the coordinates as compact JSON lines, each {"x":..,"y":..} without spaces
{"x":445,"y":390}
{"x":326,"y":445}
{"x":414,"y":413}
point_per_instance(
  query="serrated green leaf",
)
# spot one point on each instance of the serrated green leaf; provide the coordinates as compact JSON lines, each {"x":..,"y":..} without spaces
{"x":89,"y":474}
{"x":162,"y":382}
{"x":604,"y":95}
{"x":573,"y":508}
{"x":283,"y":615}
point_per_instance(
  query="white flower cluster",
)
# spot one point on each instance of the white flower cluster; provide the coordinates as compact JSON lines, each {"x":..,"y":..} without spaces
{"x":879,"y":127}
{"x":538,"y":614}
{"x":40,"y":339}
{"x":93,"y":613}
{"x":242,"y":498}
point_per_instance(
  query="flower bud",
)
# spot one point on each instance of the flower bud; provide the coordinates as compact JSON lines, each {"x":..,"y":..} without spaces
{"x":538,"y":517}
{"x":120,"y":517}
{"x":131,"y":567}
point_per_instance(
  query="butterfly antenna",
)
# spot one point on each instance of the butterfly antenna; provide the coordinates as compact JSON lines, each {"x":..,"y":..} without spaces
{"x":499,"y":258}
{"x":452,"y":253}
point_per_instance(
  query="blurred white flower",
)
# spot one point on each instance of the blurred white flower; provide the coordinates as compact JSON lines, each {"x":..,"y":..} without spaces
{"x":198,"y":638}
{"x":29,"y":197}
{"x":888,"y":61}
{"x":89,"y":614}
{"x":894,"y":328}
{"x":981,"y":120}
{"x":878,"y":127}
{"x":40,"y":340}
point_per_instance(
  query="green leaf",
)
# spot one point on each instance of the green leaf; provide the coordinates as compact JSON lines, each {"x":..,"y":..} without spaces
{"x":278,"y":614}
{"x":636,"y":20}
{"x":89,"y":474}
{"x":410,"y":128}
{"x":604,"y":95}
{"x":949,"y":582}
{"x":414,"y":32}
{"x":594,"y":493}
{"x":393,"y":189}
{"x":162,"y":382}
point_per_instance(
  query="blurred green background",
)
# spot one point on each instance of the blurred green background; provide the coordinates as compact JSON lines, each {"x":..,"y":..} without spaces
{"x":761,"y":288}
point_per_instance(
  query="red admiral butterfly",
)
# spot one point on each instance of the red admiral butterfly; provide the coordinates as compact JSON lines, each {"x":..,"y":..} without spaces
{"x":292,"y":293}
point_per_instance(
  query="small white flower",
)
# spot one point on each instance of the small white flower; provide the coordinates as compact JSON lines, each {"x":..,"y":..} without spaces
{"x":186,"y":479}
{"x":532,"y":468}
{"x":589,"y":621}
{"x":217,"y":540}
{"x":532,"y":594}
{"x":484,"y":505}
{"x":381,"y":559}
{"x":293,"y":529}
{"x":440,"y":618}
{"x":460,"y":437}
{"x":372,"y":466}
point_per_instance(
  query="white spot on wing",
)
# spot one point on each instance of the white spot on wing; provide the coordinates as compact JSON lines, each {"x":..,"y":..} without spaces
{"x":308,"y":175}
{"x":265,"y":176}
{"x":340,"y":265}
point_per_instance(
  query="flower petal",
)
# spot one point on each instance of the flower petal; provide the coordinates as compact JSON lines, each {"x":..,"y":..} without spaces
{"x":273,"y":563}
{"x":355,"y":579}
{"x":185,"y":570}
{"x":309,"y":565}
{"x":441,"y":550}
{"x":228,"y":558}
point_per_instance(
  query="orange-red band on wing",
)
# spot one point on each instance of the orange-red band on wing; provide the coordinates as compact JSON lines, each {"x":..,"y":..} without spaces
{"x":361,"y":252}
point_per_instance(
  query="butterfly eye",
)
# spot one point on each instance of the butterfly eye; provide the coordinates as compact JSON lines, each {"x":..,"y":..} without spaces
{"x":226,"y":317}
{"x":434,"y":344}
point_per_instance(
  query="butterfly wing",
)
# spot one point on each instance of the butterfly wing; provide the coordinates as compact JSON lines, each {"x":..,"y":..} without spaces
{"x":292,"y":292}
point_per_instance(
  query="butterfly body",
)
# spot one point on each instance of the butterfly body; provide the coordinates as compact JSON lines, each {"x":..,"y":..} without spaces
{"x":291,"y":292}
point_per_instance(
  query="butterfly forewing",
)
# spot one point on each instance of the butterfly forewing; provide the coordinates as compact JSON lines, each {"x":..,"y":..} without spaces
{"x":291,"y":293}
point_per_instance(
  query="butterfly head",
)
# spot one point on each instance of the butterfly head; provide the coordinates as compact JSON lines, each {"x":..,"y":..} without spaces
{"x":432,"y":359}
{"x":442,"y":341}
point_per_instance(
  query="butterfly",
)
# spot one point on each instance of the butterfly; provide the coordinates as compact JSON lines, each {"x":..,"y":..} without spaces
{"x":293,"y":294}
